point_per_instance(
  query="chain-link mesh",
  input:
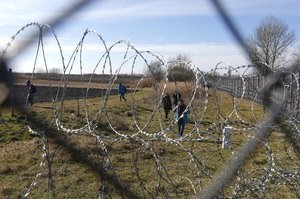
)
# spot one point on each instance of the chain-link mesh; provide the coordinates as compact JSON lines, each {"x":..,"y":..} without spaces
{"x":276,"y":95}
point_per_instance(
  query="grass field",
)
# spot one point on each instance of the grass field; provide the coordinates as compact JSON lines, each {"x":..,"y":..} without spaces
{"x":105,"y":159}
{"x":77,"y":81}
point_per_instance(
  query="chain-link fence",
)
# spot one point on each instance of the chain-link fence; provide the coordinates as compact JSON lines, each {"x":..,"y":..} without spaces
{"x":130,"y":150}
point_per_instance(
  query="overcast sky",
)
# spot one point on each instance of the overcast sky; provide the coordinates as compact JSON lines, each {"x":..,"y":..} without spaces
{"x":166,"y":27}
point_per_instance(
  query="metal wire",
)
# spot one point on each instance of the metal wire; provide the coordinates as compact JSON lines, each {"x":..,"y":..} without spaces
{"x":245,"y":184}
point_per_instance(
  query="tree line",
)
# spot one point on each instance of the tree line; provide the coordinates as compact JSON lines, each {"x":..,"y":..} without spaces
{"x":177,"y":69}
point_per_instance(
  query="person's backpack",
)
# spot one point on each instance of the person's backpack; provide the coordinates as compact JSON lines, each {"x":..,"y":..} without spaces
{"x":33,"y":88}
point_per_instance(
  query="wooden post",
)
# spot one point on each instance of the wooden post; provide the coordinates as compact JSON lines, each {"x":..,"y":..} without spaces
{"x":78,"y":111}
{"x":253,"y":91}
{"x":11,"y":92}
{"x":291,"y":93}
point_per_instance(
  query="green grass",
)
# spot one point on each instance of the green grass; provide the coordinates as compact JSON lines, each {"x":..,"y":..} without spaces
{"x":77,"y":159}
{"x":12,"y":128}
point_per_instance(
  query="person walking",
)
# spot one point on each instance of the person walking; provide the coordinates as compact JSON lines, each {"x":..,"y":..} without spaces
{"x":122,"y":90}
{"x":30,"y":94}
{"x":181,"y":116}
{"x":176,"y":97}
{"x":167,"y":104}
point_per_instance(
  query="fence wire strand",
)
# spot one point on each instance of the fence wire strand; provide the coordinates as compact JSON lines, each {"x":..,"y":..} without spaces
{"x":145,"y":144}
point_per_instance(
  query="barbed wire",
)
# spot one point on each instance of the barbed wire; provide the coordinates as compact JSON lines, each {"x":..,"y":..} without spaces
{"x":253,"y":182}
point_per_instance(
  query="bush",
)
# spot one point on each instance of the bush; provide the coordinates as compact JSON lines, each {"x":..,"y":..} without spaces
{"x":181,"y":74}
{"x":146,"y":83}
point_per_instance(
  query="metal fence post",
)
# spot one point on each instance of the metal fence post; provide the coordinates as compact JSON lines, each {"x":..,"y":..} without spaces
{"x":227,"y":137}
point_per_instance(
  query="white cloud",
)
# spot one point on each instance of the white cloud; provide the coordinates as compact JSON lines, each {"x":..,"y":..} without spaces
{"x":203,"y":55}
{"x":116,"y":10}
{"x":148,"y":9}
{"x":259,"y":7}
{"x":20,"y":12}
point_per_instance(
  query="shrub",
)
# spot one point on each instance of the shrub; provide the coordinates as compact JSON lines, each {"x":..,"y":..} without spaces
{"x":146,"y":83}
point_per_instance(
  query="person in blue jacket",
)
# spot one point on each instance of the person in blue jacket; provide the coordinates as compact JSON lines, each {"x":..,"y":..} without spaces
{"x":181,"y":116}
{"x":122,"y":90}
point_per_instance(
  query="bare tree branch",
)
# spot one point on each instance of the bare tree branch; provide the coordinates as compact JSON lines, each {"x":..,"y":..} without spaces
{"x":269,"y":43}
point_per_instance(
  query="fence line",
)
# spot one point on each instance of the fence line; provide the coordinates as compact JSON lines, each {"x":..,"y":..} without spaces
{"x":275,"y":93}
{"x":254,"y":85}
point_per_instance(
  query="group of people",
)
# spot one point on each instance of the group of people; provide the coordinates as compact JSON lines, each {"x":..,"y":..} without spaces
{"x":31,"y":89}
{"x":180,"y":109}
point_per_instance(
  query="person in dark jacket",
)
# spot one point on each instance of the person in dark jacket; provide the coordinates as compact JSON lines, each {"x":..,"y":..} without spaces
{"x":181,"y":116}
{"x":176,"y":97}
{"x":30,"y":94}
{"x":167,"y":104}
{"x":122,"y":90}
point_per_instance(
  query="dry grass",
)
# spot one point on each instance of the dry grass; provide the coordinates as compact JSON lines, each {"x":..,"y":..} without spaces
{"x":76,"y":81}
{"x":77,"y":159}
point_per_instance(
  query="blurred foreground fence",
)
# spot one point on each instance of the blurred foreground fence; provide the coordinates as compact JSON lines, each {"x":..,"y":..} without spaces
{"x":145,"y":146}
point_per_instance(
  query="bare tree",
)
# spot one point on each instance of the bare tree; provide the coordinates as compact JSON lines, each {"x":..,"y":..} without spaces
{"x":269,"y":43}
{"x":179,"y":68}
{"x":156,"y":70}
